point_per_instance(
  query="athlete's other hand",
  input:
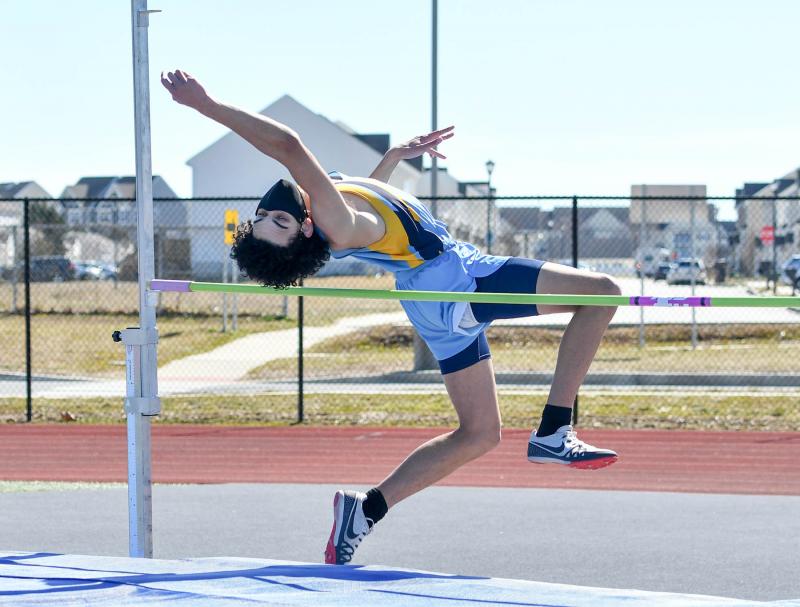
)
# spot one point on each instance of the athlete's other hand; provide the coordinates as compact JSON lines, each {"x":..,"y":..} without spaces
{"x":424,"y":143}
{"x":185,"y":89}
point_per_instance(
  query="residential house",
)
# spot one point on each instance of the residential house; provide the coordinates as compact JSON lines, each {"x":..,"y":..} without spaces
{"x":109,"y":201}
{"x":605,"y":241}
{"x":101,"y":215}
{"x":677,"y":218}
{"x":522,"y":230}
{"x":605,"y":238}
{"x":767,"y":205}
{"x":11,"y":216}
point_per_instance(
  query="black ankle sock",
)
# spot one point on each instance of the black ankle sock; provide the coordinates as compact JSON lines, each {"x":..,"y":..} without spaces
{"x":375,"y":507}
{"x":553,"y":418}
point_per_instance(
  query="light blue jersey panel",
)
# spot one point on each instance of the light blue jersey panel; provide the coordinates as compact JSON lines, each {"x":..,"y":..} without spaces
{"x":423,"y":256}
{"x":437,"y":322}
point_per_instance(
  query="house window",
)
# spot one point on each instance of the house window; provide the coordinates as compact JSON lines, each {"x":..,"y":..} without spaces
{"x":74,"y":216}
{"x":125,"y":215}
{"x":105,"y":213}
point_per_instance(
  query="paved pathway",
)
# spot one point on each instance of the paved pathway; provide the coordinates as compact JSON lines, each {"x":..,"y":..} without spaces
{"x":235,"y":359}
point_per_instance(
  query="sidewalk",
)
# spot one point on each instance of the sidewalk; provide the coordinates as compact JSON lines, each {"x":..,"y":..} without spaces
{"x":236,"y":359}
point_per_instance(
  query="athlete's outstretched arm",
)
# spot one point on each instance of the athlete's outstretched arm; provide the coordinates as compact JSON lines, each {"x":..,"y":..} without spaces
{"x":278,"y":141}
{"x":411,"y":149}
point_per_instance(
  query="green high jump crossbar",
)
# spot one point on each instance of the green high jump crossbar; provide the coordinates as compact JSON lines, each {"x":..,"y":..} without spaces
{"x":752,"y":301}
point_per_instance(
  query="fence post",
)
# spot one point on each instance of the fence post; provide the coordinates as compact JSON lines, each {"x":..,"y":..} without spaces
{"x":225,"y":295}
{"x":775,"y":243}
{"x":300,"y":319}
{"x":693,"y":255}
{"x":642,"y":239}
{"x":14,"y":280}
{"x":235,"y":304}
{"x":575,"y":265}
{"x":28,"y":366}
{"x":116,"y":265}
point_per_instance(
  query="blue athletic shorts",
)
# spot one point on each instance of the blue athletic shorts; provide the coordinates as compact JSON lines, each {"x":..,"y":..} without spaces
{"x":516,"y":275}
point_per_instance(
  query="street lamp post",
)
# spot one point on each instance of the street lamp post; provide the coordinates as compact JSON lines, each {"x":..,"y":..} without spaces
{"x":489,"y":235}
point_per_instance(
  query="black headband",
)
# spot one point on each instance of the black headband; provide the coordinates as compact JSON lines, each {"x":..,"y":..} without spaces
{"x":284,"y":196}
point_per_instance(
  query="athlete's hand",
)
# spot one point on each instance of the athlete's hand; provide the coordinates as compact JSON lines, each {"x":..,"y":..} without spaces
{"x":424,"y":143}
{"x":185,"y":89}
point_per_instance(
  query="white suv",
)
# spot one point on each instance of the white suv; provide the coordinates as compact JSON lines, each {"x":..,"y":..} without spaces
{"x":684,"y":269}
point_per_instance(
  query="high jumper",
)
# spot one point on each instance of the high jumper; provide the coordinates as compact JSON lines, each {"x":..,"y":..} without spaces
{"x":299,"y":224}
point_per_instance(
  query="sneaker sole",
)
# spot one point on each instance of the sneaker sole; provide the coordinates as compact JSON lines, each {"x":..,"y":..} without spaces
{"x":330,"y":549}
{"x":591,"y":464}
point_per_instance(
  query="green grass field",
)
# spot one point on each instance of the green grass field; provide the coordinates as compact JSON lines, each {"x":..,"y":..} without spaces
{"x":106,"y":297}
{"x":81,"y":345}
{"x":706,"y":410}
{"x":72,"y":322}
{"x":722,"y":349}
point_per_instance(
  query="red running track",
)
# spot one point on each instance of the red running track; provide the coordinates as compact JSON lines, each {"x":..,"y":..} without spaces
{"x":764,"y":463}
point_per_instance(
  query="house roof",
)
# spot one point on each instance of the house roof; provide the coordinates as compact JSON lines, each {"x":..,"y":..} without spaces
{"x":754,"y":190}
{"x":98,"y":187}
{"x":521,"y":218}
{"x":379,"y":143}
{"x":9,"y":190}
{"x":92,"y":187}
{"x":563,"y":215}
{"x":16,"y":189}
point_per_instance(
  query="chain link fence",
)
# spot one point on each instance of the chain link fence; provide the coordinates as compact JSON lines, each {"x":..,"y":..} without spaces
{"x":235,"y":359}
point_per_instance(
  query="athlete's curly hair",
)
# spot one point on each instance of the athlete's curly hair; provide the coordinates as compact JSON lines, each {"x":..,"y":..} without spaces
{"x":276,"y":266}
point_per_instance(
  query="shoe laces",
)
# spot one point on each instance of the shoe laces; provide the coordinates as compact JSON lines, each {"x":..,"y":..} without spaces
{"x":348,"y":547}
{"x":572,"y":442}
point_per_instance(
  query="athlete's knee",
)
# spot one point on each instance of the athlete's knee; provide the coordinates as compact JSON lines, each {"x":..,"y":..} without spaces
{"x":607,"y":285}
{"x":481,"y":439}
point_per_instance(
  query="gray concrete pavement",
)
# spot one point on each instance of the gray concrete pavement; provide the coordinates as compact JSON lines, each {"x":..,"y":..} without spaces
{"x":728,"y":545}
{"x":422,"y":382}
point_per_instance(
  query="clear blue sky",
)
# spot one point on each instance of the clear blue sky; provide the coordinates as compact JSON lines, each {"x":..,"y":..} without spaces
{"x":566,"y":96}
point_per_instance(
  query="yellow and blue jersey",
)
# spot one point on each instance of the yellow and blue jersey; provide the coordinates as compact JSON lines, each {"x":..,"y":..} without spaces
{"x":413,"y":236}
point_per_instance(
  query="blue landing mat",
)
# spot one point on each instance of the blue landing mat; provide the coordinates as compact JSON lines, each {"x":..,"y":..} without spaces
{"x":57,"y":579}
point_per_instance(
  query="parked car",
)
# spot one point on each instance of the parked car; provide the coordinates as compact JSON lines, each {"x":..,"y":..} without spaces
{"x":51,"y":268}
{"x":791,"y":264}
{"x":662,"y":270}
{"x":85,"y":270}
{"x":93,"y":270}
{"x":685,"y":269}
{"x":649,"y":259}
{"x":108,"y":272}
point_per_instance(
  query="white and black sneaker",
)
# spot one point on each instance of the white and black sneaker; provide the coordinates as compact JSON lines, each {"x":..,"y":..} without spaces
{"x":564,"y":447}
{"x":350,"y":526}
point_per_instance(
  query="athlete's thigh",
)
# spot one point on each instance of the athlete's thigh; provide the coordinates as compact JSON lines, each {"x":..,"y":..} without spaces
{"x":474,"y":395}
{"x":516,"y":275}
{"x":565,"y":280}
